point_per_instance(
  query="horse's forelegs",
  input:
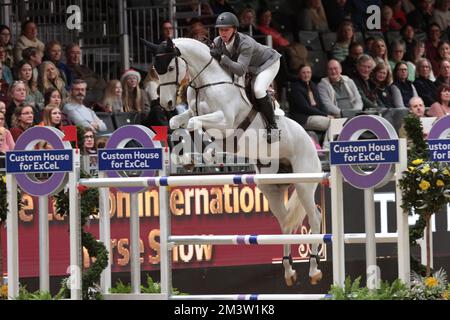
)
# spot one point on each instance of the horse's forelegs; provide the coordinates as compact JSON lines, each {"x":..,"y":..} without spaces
{"x":181,"y":120}
{"x":214,"y":120}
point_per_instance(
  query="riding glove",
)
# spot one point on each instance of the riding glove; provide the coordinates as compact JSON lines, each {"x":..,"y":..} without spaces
{"x":216,"y":53}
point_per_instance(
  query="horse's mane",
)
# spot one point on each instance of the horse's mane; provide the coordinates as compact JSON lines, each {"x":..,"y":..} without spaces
{"x":192,"y":44}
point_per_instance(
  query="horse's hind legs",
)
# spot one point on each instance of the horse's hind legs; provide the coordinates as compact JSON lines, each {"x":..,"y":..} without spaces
{"x":275,"y":197}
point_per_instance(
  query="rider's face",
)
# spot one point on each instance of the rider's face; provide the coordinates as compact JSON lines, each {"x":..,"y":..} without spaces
{"x":226,"y":33}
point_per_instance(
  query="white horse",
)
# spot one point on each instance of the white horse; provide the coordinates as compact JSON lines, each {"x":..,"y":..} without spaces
{"x":215,"y":102}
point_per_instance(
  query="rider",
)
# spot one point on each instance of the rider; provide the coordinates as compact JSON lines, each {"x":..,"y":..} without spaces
{"x":239,"y":53}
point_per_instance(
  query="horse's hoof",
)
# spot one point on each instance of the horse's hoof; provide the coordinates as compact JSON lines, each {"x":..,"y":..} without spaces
{"x":290,"y":281}
{"x":316,"y":278}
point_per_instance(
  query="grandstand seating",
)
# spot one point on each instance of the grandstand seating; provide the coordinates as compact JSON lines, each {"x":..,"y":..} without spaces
{"x":310,"y":39}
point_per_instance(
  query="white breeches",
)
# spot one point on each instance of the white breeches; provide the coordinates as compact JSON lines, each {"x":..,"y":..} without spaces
{"x":264,"y":79}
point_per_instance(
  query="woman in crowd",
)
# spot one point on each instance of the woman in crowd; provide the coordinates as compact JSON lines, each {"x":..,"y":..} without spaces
{"x":247,"y":23}
{"x":441,"y":107}
{"x":51,"y":117}
{"x":34,"y":96}
{"x":381,"y":78}
{"x":402,"y":89}
{"x":443,"y":50}
{"x":5,"y":42}
{"x":344,"y":37}
{"x":133,"y":97}
{"x":265,"y":26}
{"x":53,"y":97}
{"x":407,"y":34}
{"x":397,"y":52}
{"x":50,"y":77}
{"x":6,"y":73}
{"x":6,"y":140}
{"x":425,"y":86}
{"x":444,"y":74}
{"x":22,"y":120}
{"x":378,"y":51}
{"x":89,"y":146}
{"x":112,"y":100}
{"x":313,"y":17}
{"x":17,"y":94}
{"x":4,"y":87}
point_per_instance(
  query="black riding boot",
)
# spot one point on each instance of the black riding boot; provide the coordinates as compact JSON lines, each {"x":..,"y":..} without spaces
{"x":266,"y":108}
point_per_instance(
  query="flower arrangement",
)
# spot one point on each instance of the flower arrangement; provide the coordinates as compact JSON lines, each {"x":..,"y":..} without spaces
{"x":434,"y":287}
{"x":425,"y":185}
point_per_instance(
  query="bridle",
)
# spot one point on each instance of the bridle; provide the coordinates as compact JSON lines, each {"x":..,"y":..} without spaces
{"x":177,"y":83}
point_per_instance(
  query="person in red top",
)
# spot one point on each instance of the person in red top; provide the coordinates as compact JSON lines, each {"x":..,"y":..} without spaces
{"x":265,"y":19}
{"x":22,"y":120}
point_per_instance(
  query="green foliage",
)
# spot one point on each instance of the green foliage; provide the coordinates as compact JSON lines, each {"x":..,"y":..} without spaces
{"x":434,"y":287}
{"x":353,"y":291}
{"x":24,"y":294}
{"x":4,"y":201}
{"x":418,"y":146}
{"x":151,"y":287}
{"x":88,"y":207}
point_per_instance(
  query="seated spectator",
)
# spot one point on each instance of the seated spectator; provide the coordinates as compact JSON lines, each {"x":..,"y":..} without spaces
{"x":265,"y":26}
{"x":407,"y":34}
{"x":444,"y":74}
{"x":421,"y":17}
{"x":305,"y":104}
{"x":378,"y":51}
{"x":53,"y":53}
{"x":95,"y":84}
{"x":443,"y":54}
{"x":22,"y":119}
{"x":89,"y":146}
{"x":167,"y":31}
{"x":441,"y":107}
{"x":337,"y":11}
{"x":34,"y":57}
{"x":50,"y":77}
{"x":6,"y":140}
{"x":28,"y":39}
{"x":313,"y":17}
{"x":425,"y":86}
{"x":134,"y":98}
{"x":17,"y":95}
{"x":416,"y":109}
{"x":366,"y":89}
{"x":6,"y":73}
{"x":418,"y":53}
{"x":53,"y":97}
{"x":441,"y":15}
{"x":5,"y":42}
{"x":381,"y":78}
{"x":344,"y":37}
{"x":399,"y":14}
{"x":198,"y":31}
{"x":52,"y":116}
{"x":338,"y":92}
{"x":402,"y":89}
{"x":4,"y":86}
{"x":247,"y":23}
{"x":431,"y":46}
{"x":397,"y":53}
{"x":34,"y":96}
{"x":112,"y":100}
{"x":77,"y":112}
{"x":388,"y":23}
{"x":2,"y":107}
{"x":355,"y":50}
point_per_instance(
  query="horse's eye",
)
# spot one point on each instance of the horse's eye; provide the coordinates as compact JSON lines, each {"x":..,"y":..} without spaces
{"x":171,"y":69}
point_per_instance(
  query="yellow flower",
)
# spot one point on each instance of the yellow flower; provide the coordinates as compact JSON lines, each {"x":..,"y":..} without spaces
{"x":4,"y":292}
{"x":431,"y":282}
{"x":445,"y":295}
{"x":4,"y":179}
{"x":424,"y":185}
{"x":440,"y":183}
{"x":446,"y":172}
{"x":425,"y":169}
{"x":417,"y":162}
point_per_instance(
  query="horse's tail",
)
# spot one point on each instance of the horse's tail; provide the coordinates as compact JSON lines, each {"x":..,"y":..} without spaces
{"x":296,"y":212}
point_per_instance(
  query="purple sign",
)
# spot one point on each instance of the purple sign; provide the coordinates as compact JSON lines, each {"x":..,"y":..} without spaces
{"x":28,"y":141}
{"x":441,"y":129}
{"x":438,"y":143}
{"x":121,"y":137}
{"x":354,"y":128}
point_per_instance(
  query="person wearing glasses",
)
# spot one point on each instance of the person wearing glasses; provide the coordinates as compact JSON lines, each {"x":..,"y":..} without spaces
{"x":402,"y":89}
{"x":78,"y":113}
{"x":22,"y":120}
{"x":5,"y":41}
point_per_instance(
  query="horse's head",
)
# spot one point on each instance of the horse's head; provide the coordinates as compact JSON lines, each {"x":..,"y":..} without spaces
{"x":171,"y":70}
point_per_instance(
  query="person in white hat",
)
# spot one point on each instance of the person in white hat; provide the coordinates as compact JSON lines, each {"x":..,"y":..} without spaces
{"x":134,"y":98}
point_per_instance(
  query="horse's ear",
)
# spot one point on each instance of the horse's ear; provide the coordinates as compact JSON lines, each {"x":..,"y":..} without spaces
{"x":170,"y":43}
{"x":177,"y":52}
{"x":150,"y":45}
